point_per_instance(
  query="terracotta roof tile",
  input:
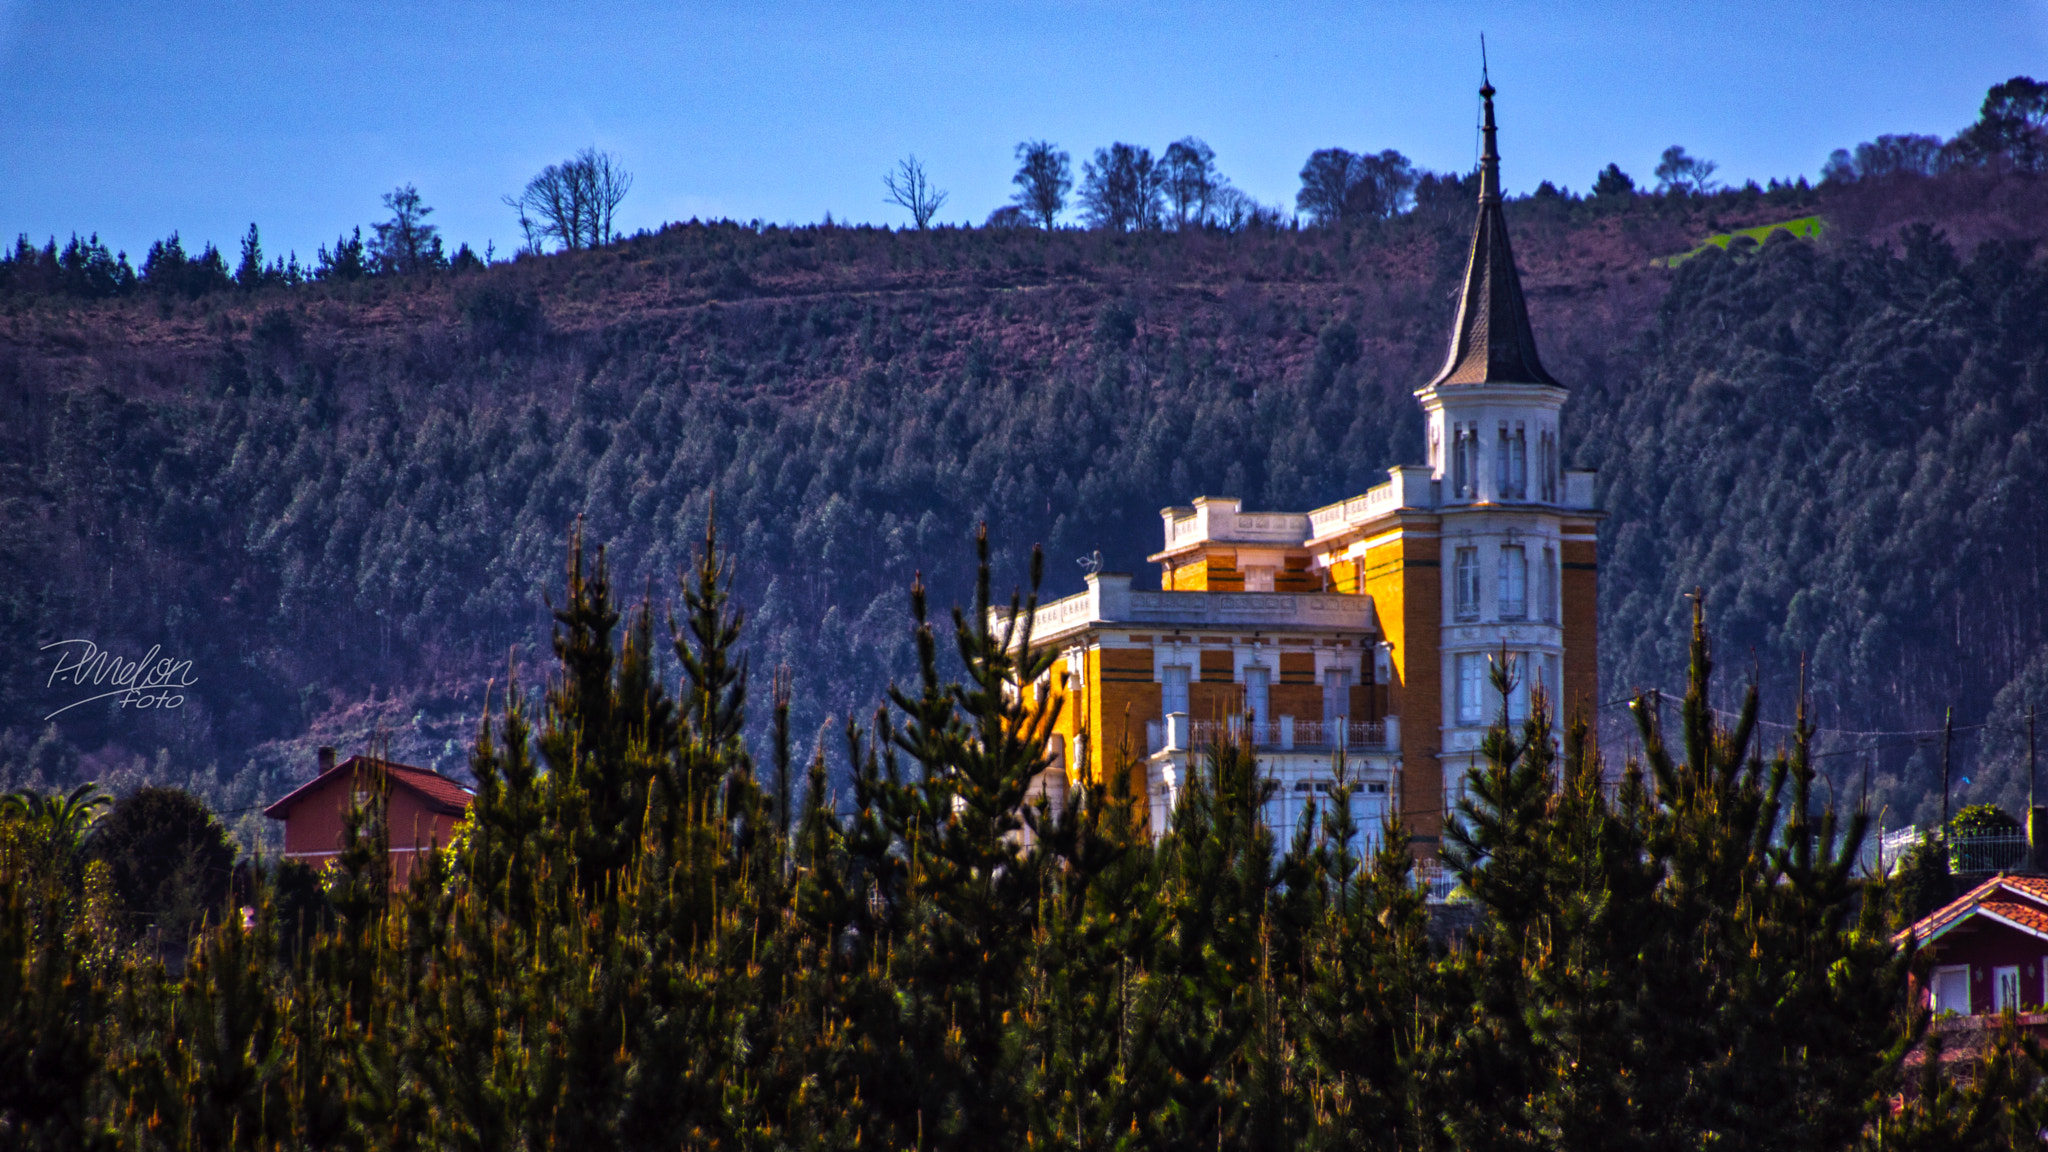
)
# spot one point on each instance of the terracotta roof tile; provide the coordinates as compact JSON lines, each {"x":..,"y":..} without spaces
{"x":1985,"y":896}
{"x":2035,"y":887}
{"x":1949,"y":913}
{"x":2025,"y":915}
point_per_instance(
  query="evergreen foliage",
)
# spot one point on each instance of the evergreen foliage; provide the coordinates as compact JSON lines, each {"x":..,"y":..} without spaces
{"x":641,"y":937}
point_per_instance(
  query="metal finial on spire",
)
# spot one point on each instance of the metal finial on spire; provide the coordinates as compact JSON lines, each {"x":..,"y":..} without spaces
{"x":1483,"y":81}
{"x":1489,"y":152}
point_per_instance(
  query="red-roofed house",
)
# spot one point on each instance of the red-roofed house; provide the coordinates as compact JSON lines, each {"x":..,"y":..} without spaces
{"x":422,"y":810}
{"x":1989,"y":949}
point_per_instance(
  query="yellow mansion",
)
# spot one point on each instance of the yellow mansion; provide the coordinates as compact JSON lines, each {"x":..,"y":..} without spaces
{"x":1367,"y":626}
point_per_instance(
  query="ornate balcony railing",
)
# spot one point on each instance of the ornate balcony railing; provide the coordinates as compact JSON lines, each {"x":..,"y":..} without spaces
{"x":1283,"y":735}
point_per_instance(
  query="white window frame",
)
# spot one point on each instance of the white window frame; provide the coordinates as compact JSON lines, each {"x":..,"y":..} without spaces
{"x":1336,"y":696}
{"x":1514,"y":582}
{"x":1259,"y":578}
{"x":2005,"y":988}
{"x":1547,"y":576}
{"x":1936,"y":978}
{"x":1519,"y":667}
{"x":1469,"y":669}
{"x":1258,"y":682}
{"x":1465,"y":583}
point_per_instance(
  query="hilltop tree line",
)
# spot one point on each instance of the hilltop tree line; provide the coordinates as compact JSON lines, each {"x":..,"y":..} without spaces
{"x":1123,"y":188}
{"x":642,"y":936}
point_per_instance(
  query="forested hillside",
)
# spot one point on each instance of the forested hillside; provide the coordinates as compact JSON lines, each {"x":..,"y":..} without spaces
{"x":343,"y":502}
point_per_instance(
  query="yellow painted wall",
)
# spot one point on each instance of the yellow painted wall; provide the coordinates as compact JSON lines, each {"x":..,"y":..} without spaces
{"x":1404,"y":577}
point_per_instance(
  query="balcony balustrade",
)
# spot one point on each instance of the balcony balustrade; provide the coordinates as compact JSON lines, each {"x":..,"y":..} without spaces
{"x":1283,"y":735}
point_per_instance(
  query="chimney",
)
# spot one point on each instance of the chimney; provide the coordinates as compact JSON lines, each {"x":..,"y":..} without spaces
{"x":326,"y":759}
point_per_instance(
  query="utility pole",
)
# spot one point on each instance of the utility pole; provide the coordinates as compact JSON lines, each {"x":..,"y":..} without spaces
{"x":2033,"y":833}
{"x":1948,"y":727}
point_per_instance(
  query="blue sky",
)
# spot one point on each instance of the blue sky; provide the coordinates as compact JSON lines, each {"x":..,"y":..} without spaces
{"x":134,"y":119}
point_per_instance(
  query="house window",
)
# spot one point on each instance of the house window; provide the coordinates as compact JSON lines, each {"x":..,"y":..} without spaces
{"x":1518,"y":670}
{"x":1465,"y":573}
{"x":1258,"y":579}
{"x":1547,"y":594}
{"x":1336,"y":695}
{"x":1518,"y":465}
{"x":1951,"y":989}
{"x":1173,"y":689}
{"x":1461,"y":471}
{"x":1547,"y":465}
{"x":2005,"y":988}
{"x":1503,"y":484}
{"x":1471,"y":687}
{"x":1255,"y":680}
{"x":1514,"y":582}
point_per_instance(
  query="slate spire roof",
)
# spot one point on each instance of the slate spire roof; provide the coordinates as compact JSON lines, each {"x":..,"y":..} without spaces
{"x":1492,"y":343}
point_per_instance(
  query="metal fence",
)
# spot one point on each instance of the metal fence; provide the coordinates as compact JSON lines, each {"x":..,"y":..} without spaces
{"x":1987,"y":852}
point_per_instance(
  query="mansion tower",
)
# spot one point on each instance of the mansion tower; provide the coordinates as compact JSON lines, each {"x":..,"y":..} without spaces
{"x":1364,"y":629}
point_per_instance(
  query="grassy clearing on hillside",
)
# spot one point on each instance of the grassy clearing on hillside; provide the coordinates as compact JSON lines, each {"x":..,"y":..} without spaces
{"x":1804,"y":228}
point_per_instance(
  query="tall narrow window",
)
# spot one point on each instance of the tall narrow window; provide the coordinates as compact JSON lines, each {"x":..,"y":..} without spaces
{"x":1255,"y":681}
{"x":1547,"y":585}
{"x":1471,"y":687}
{"x":1503,"y":479}
{"x":1549,"y":466}
{"x":1520,"y":669}
{"x":1461,"y":476}
{"x":1466,"y":580}
{"x":1514,"y":582}
{"x":1336,"y":699}
{"x":1336,"y":693}
{"x":1173,"y":689}
{"x":1518,"y":466}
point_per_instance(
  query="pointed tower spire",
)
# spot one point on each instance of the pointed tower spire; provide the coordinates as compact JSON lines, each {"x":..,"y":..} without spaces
{"x":1492,"y":342}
